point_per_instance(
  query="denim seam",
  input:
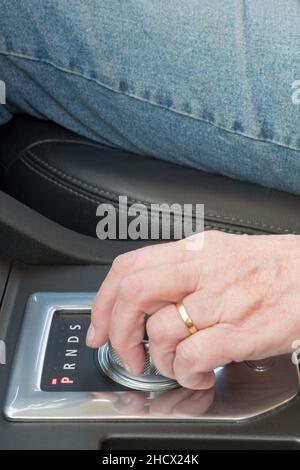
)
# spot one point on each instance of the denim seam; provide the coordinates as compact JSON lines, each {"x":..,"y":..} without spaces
{"x":75,"y":180}
{"x":153,"y":103}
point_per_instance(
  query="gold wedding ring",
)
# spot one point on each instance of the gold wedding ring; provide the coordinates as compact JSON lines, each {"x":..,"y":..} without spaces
{"x":186,"y":318}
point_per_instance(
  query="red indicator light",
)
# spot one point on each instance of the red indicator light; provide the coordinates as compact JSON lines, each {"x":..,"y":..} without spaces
{"x":66,"y":380}
{"x":54,"y":381}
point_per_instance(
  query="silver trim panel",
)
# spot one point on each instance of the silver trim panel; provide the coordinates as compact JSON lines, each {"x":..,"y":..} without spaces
{"x":241,"y":391}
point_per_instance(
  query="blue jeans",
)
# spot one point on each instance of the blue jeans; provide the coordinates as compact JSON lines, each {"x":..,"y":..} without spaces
{"x":208,"y":84}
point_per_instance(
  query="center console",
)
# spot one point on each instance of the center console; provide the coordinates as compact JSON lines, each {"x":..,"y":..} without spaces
{"x":57,"y":393}
{"x":55,"y":376}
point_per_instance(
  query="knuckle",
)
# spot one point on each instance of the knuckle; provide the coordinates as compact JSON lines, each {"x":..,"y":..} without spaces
{"x":122,"y":264}
{"x":131,"y":287}
{"x":215,"y":235}
{"x":185,"y":354}
{"x":212,"y":239}
{"x":180,"y":249}
{"x":218,"y":239}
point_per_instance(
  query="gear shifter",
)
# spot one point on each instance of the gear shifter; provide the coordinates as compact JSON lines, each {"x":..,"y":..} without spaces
{"x":149,"y":380}
{"x":56,"y":376}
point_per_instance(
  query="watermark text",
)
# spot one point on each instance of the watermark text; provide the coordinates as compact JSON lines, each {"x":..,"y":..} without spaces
{"x":154,"y":221}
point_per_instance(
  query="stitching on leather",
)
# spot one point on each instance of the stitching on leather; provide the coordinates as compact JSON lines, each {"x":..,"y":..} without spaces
{"x":76,"y":180}
{"x":115,"y":195}
{"x":78,"y":194}
{"x":61,"y":185}
{"x":251,"y":222}
{"x":206,"y":226}
{"x":223,"y":229}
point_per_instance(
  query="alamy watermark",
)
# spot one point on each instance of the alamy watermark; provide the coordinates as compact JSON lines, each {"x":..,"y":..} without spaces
{"x":2,"y":352}
{"x":2,"y":92}
{"x":154,"y":221}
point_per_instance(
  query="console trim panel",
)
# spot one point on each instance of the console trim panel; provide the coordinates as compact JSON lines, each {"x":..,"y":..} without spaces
{"x":249,"y":393}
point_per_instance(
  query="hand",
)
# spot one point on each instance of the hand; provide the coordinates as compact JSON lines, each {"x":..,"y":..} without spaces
{"x":242,"y":292}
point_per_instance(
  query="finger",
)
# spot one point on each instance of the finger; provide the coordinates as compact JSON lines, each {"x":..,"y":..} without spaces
{"x":206,"y":350}
{"x":123,"y":266}
{"x":142,"y":293}
{"x":206,"y":309}
{"x":166,"y":329}
{"x":195,"y":380}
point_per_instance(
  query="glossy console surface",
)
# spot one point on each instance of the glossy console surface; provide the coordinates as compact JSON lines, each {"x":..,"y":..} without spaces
{"x":242,"y":390}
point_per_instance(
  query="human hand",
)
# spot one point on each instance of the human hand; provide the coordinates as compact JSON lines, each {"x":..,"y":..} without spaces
{"x":242,"y":293}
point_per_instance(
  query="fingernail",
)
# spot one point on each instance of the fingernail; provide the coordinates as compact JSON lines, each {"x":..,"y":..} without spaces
{"x":90,"y":335}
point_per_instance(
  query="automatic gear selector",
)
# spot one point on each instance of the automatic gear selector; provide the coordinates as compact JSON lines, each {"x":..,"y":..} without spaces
{"x":55,"y":376}
{"x":150,"y":380}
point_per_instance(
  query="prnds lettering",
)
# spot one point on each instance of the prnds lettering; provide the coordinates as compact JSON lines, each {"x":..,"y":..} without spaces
{"x":72,"y":340}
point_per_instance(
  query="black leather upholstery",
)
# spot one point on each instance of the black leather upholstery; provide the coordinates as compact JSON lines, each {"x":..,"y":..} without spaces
{"x":65,"y":177}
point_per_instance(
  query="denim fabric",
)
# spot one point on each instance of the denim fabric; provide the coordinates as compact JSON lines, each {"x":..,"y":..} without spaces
{"x":204,"y":83}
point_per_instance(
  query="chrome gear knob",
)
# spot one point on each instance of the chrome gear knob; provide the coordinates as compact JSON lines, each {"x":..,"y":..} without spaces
{"x":150,"y":380}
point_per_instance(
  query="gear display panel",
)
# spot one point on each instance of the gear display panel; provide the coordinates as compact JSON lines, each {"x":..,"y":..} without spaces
{"x":69,"y":364}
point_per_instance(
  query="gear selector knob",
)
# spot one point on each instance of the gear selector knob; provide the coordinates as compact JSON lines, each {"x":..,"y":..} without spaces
{"x":150,"y":380}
